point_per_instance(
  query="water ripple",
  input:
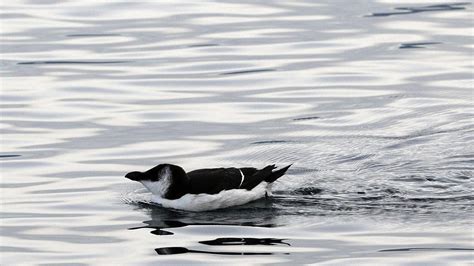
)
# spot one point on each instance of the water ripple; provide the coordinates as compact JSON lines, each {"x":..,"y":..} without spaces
{"x":430,"y":8}
{"x":61,"y":62}
{"x":380,"y":131}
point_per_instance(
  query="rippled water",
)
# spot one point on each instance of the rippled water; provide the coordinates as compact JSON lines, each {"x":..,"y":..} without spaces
{"x":371,"y":101}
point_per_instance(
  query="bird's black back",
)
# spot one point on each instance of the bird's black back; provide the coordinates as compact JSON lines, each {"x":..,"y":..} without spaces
{"x":215,"y":180}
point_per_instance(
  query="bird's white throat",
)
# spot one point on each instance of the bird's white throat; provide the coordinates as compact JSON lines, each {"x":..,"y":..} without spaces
{"x":160,"y":187}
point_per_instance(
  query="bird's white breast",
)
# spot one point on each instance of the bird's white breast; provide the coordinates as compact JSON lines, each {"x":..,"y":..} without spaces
{"x":207,"y":202}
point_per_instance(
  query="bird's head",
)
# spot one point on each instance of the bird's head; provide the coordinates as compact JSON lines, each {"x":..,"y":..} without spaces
{"x":160,"y":179}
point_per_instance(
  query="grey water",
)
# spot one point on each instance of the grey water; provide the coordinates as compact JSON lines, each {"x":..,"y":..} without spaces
{"x":372,"y":101}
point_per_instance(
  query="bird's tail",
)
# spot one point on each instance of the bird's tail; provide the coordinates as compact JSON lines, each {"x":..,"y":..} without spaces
{"x":276,"y":174}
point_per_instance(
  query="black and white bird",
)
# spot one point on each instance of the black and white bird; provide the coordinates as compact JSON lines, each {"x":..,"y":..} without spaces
{"x":206,"y":189}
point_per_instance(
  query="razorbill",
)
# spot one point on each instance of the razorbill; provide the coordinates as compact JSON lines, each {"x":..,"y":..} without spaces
{"x":206,"y":189}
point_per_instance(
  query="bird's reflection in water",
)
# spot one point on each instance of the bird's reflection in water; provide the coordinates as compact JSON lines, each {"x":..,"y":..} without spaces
{"x":181,"y":250}
{"x":259,"y":214}
{"x":227,"y":241}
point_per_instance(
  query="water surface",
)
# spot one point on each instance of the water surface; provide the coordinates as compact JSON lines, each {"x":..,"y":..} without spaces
{"x":371,"y":102}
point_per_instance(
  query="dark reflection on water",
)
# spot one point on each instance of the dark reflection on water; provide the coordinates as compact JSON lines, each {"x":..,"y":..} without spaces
{"x":430,"y":8}
{"x":250,"y":71}
{"x":93,"y":35}
{"x":64,"y":62}
{"x":229,"y":241}
{"x":271,"y":141}
{"x":181,"y":250}
{"x":9,"y":155}
{"x":416,"y":45}
{"x":259,"y":214}
{"x":307,"y":118}
{"x":203,"y":45}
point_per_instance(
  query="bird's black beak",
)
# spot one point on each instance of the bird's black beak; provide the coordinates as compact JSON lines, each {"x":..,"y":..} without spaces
{"x":135,"y":176}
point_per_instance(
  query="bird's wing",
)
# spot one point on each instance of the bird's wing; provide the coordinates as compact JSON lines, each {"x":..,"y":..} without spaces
{"x":213,"y":181}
